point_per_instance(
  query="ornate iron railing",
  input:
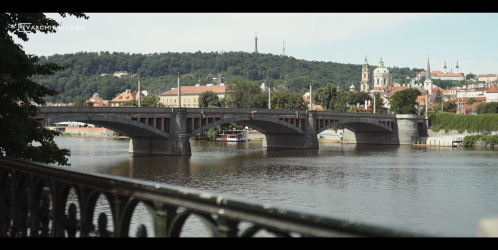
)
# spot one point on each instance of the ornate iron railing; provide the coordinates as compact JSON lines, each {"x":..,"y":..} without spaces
{"x":27,"y":189}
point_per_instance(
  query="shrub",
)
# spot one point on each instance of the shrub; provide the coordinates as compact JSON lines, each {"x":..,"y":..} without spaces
{"x":460,"y":122}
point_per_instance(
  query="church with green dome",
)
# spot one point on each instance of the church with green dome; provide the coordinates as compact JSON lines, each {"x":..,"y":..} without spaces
{"x":379,"y":80}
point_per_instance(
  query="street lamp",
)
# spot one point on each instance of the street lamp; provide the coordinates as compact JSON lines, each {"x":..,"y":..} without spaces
{"x":269,"y":96}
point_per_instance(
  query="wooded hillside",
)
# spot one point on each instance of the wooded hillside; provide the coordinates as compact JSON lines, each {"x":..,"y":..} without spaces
{"x":159,"y":72}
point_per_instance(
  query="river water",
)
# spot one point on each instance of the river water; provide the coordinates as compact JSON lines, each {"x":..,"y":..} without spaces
{"x":446,"y":190}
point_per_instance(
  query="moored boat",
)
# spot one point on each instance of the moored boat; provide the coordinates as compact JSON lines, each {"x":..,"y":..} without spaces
{"x":230,"y":138}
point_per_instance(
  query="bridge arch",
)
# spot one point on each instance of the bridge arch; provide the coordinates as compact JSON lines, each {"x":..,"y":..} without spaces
{"x":260,"y":123}
{"x":129,"y":127}
{"x":359,"y":125}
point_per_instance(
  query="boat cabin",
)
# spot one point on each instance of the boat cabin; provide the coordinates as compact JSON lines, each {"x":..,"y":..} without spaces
{"x":230,"y":137}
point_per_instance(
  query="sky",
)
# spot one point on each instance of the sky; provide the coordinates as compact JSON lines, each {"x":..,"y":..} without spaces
{"x":402,"y":39}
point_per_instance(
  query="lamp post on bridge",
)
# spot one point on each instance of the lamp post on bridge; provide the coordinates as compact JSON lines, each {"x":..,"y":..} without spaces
{"x":269,"y":96}
{"x":139,"y":93}
{"x":179,"y":93}
{"x":311,"y":96}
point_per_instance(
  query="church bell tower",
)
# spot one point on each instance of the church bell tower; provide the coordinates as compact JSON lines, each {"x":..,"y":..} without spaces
{"x":365,"y":77}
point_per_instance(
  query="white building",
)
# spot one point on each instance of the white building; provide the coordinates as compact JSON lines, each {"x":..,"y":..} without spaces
{"x":120,"y":73}
{"x":492,"y":94}
{"x":487,"y":77}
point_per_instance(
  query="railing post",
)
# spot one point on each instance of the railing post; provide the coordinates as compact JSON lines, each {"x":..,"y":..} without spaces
{"x":120,"y":221}
{"x":227,"y":227}
{"x":162,"y":217}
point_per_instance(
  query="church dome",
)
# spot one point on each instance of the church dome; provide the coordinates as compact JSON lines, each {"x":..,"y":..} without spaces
{"x":381,"y":71}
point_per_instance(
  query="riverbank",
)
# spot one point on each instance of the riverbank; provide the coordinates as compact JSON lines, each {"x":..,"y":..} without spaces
{"x":87,"y":132}
{"x":446,"y":138}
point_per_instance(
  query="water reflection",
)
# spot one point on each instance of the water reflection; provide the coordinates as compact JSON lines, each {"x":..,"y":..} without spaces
{"x":443,"y":189}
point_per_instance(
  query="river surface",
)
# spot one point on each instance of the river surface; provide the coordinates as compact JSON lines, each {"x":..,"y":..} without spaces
{"x":446,"y":190}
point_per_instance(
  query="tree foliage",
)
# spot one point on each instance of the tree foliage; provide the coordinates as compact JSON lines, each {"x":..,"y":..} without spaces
{"x":79,"y":101}
{"x":460,"y":122}
{"x":332,"y":99}
{"x":241,"y":93}
{"x":471,"y":101}
{"x":470,"y":140}
{"x":379,"y":105}
{"x":438,"y":98}
{"x":487,"y":108}
{"x":449,"y":106}
{"x":404,"y":101}
{"x":209,"y":99}
{"x":286,"y":100}
{"x":21,"y":134}
{"x":149,"y":101}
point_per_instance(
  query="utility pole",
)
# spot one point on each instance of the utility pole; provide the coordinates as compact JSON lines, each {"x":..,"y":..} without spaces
{"x":311,"y":97}
{"x":269,"y":96}
{"x":139,"y":93}
{"x":179,"y":94}
{"x":283,"y":53}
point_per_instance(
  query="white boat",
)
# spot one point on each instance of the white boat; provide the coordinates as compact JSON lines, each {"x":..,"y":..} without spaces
{"x":230,"y":138}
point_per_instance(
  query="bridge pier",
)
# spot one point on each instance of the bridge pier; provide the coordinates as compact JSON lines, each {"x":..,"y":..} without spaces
{"x":157,"y":146}
{"x":308,"y":140}
{"x":405,"y":132}
{"x":177,"y":144}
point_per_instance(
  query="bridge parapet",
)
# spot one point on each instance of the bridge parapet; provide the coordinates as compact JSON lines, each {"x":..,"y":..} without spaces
{"x":25,"y":185}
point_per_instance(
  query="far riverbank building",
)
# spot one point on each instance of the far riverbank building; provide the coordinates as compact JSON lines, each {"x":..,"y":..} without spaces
{"x":190,"y":95}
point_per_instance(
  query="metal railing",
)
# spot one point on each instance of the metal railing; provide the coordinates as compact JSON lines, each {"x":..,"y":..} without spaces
{"x":33,"y":201}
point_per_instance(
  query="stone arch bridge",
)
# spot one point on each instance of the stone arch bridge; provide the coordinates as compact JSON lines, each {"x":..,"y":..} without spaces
{"x":166,"y":130}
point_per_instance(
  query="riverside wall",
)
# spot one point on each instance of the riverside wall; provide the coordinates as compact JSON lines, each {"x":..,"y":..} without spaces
{"x":441,"y":137}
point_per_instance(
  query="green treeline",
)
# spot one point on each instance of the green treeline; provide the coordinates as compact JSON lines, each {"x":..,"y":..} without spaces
{"x":469,"y":123}
{"x":159,"y":72}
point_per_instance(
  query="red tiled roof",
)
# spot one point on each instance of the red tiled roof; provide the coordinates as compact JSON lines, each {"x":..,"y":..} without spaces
{"x":436,"y":88}
{"x":192,"y":90}
{"x":438,"y":73}
{"x":126,"y":97}
{"x":486,"y":75}
{"x":493,"y":89}
{"x":399,"y":88}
